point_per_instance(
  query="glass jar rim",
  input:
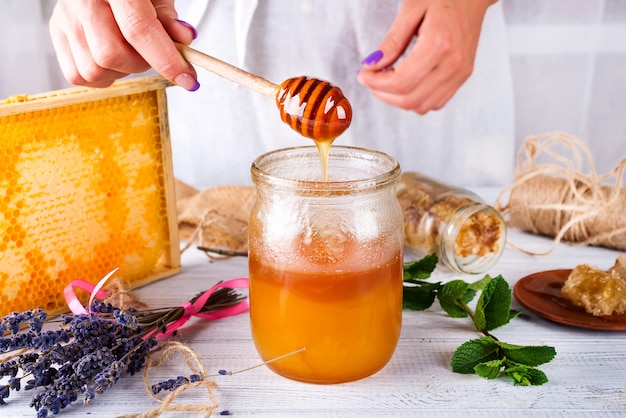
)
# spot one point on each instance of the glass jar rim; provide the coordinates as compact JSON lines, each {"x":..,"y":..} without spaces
{"x":388,"y":169}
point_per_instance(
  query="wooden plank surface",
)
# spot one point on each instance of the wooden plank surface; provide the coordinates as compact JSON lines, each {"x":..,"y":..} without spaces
{"x":587,"y":377}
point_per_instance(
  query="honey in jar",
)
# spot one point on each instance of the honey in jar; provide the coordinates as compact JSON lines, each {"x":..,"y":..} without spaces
{"x":326,"y":263}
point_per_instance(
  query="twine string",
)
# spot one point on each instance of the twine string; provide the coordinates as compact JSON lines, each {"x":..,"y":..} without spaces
{"x":166,"y":403}
{"x":556,"y":198}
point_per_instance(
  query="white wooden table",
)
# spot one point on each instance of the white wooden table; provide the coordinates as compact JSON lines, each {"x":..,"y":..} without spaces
{"x":587,"y":377}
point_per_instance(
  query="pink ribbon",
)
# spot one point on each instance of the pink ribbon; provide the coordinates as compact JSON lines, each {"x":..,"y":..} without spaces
{"x":190,"y":309}
{"x":95,"y":292}
{"x":194,"y":309}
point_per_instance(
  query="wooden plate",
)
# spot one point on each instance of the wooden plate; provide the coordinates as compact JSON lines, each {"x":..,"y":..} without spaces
{"x":540,"y":293}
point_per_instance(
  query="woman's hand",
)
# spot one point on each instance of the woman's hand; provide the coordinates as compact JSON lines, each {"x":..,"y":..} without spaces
{"x":100,"y":41}
{"x":440,"y":61}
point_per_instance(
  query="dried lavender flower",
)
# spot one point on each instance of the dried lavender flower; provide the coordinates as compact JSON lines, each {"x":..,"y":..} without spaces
{"x":88,"y":353}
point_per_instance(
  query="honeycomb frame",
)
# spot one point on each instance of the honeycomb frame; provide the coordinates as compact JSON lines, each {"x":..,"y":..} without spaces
{"x":86,"y":186}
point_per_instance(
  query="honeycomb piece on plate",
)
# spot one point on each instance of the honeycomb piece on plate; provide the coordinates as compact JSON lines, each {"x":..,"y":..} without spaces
{"x":599,"y":292}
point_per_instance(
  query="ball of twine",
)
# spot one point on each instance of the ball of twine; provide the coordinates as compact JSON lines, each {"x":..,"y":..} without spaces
{"x":552,"y":196}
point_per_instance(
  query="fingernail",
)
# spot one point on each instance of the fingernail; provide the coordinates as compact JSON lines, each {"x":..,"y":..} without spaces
{"x":187,"y":81}
{"x":373,"y":58}
{"x":195,"y":31}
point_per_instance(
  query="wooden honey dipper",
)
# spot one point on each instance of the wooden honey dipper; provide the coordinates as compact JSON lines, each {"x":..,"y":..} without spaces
{"x":314,"y":108}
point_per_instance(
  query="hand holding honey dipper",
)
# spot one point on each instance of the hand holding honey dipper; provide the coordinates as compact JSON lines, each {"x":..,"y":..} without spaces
{"x":100,"y":41}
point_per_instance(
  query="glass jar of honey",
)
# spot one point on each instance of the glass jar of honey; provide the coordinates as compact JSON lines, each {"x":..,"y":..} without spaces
{"x":326,"y":263}
{"x":467,"y":234}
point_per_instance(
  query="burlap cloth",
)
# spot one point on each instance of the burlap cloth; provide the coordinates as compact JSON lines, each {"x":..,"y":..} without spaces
{"x":216,"y":217}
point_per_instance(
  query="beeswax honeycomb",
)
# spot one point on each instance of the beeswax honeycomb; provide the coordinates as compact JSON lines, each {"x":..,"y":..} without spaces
{"x":86,"y":186}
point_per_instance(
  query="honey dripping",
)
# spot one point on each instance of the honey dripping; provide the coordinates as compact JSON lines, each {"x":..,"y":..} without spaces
{"x":316,"y":109}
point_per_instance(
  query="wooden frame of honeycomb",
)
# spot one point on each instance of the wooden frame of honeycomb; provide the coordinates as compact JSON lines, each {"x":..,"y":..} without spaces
{"x":86,"y":186}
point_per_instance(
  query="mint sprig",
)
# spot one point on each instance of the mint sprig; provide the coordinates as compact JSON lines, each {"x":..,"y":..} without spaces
{"x":486,"y":356}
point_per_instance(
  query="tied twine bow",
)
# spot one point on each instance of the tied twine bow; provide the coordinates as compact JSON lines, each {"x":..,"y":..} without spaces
{"x":189,"y":309}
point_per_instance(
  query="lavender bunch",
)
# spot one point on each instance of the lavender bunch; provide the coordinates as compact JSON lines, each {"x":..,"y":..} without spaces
{"x":86,"y":354}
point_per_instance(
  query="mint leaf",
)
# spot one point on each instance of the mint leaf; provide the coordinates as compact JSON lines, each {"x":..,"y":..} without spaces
{"x":474,"y":352}
{"x":420,"y":269}
{"x":489,"y":369}
{"x":419,"y":298}
{"x":480,"y":284}
{"x":448,"y":298}
{"x":526,"y":376}
{"x":486,"y":356}
{"x":528,"y":355}
{"x":494,"y":305}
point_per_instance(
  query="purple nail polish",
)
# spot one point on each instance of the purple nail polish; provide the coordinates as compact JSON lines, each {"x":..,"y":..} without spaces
{"x":187,"y":81}
{"x":373,"y":58}
{"x":195,"y":87}
{"x":195,"y":31}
